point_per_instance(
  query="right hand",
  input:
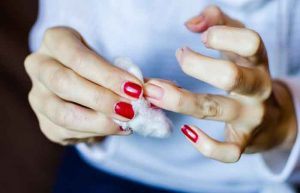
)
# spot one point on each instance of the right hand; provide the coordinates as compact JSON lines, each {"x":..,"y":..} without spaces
{"x":76,"y":92}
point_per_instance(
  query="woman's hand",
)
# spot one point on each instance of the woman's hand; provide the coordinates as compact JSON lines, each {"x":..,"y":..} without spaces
{"x":258,"y":112}
{"x":75,"y":92}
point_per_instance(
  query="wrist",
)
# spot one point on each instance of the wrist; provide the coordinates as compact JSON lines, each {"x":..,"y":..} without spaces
{"x":287,"y":127}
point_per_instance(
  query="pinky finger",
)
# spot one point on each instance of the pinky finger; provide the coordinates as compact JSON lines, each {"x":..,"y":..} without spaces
{"x":222,"y":151}
{"x":63,"y":136}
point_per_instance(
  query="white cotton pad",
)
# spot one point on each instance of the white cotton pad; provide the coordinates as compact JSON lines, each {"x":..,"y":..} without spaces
{"x":147,"y":121}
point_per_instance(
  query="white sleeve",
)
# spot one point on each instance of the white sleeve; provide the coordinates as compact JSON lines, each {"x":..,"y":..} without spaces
{"x":280,"y":165}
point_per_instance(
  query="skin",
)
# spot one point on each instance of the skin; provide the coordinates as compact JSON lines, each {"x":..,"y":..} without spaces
{"x":258,"y":111}
{"x":70,"y":94}
{"x":74,"y":104}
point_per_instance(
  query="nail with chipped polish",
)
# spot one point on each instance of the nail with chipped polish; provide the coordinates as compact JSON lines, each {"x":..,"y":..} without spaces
{"x":190,"y":133}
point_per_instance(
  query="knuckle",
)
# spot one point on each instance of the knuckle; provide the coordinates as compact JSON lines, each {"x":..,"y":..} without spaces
{"x":97,"y":100}
{"x":28,"y":63}
{"x":33,"y":101}
{"x":78,"y":56}
{"x":114,"y":81}
{"x":214,"y":8}
{"x":208,"y":106}
{"x":60,"y":80}
{"x":50,"y":35}
{"x":64,"y":117}
{"x":31,"y":98}
{"x":52,"y":32}
{"x":217,"y":13}
{"x":178,"y":102}
{"x":55,"y":37}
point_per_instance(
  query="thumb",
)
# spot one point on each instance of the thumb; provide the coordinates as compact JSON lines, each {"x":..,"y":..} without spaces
{"x":210,"y":16}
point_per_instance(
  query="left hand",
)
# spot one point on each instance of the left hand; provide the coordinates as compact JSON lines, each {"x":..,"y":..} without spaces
{"x":258,"y":111}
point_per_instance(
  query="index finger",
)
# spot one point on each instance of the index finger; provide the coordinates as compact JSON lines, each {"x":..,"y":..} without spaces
{"x":203,"y":106}
{"x":68,"y":47}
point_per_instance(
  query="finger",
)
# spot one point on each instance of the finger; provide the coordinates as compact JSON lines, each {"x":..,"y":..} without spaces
{"x":226,"y":75}
{"x":65,"y":136}
{"x":204,"y":106}
{"x":211,"y":16}
{"x":58,"y":134}
{"x":222,"y":151}
{"x":69,"y":86}
{"x":241,"y":41}
{"x":67,"y":46}
{"x":71,"y":116}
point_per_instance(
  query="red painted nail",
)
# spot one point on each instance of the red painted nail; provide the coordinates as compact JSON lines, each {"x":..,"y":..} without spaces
{"x":190,"y":133}
{"x":124,"y":109}
{"x":132,"y":89}
{"x":154,"y":106}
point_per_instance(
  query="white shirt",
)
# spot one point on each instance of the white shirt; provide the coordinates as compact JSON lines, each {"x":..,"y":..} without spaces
{"x":149,"y":32}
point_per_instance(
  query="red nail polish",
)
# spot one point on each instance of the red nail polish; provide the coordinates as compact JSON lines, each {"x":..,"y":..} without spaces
{"x":132,"y":89}
{"x":124,"y":109}
{"x":154,"y":106}
{"x":190,"y":133}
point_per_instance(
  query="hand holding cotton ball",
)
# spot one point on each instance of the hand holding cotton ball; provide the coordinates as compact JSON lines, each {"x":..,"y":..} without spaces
{"x":147,"y":121}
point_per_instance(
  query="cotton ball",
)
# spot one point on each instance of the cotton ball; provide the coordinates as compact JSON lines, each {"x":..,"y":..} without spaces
{"x":126,"y":64}
{"x":147,"y":121}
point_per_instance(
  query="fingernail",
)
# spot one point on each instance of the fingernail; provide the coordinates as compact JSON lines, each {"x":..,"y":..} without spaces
{"x":190,"y":133}
{"x":179,"y":53}
{"x":197,"y":24}
{"x":121,"y":128}
{"x":124,"y":109}
{"x":204,"y":37}
{"x":195,"y":20}
{"x":127,"y":131}
{"x":132,"y":89}
{"x":153,"y":91}
{"x":154,"y":106}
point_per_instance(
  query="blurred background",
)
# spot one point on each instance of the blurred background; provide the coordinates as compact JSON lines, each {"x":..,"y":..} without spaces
{"x":28,"y":161}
